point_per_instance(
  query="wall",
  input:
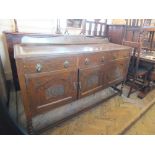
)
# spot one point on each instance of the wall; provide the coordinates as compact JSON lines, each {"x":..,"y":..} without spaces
{"x":153,"y":22}
{"x":5,"y":25}
{"x":40,"y":26}
{"x":118,"y":21}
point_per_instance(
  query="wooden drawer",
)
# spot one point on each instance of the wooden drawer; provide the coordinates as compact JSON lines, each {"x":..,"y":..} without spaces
{"x":49,"y":64}
{"x":88,"y":60}
{"x":114,"y":55}
{"x":124,"y":54}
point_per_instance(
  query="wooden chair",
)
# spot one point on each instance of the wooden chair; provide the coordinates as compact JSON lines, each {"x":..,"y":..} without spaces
{"x":133,"y":37}
{"x":94,"y":28}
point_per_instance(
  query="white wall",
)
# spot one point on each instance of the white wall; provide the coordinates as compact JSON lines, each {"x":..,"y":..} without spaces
{"x":37,"y":25}
{"x":5,"y":25}
{"x":31,"y":26}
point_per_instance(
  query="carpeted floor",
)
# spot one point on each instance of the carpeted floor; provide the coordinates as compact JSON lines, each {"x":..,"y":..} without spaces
{"x":118,"y":115}
{"x":145,"y":125}
{"x":115,"y":116}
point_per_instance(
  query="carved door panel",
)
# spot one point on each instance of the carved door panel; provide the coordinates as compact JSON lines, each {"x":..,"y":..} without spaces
{"x":49,"y":90}
{"x":91,"y":80}
{"x":116,"y":71}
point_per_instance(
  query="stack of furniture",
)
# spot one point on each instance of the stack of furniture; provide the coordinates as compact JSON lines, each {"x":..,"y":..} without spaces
{"x":134,"y":36}
{"x":148,"y":58}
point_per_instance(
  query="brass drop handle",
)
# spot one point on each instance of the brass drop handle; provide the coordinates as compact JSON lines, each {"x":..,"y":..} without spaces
{"x":102,"y":59}
{"x":86,"y":61}
{"x":39,"y":67}
{"x":66,"y":64}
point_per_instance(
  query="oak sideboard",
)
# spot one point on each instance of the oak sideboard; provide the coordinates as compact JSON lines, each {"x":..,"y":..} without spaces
{"x":51,"y":75}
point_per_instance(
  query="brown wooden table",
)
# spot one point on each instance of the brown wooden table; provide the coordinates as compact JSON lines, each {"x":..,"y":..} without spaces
{"x":148,"y":59}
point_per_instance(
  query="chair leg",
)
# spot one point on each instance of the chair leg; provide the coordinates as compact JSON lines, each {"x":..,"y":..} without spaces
{"x":122,"y":85}
{"x":130,"y":91}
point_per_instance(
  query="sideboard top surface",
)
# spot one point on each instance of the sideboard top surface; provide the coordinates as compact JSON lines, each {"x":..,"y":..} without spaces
{"x":30,"y":50}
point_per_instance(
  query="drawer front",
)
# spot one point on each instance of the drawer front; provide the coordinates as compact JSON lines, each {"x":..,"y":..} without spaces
{"x":49,"y":64}
{"x":114,"y":55}
{"x":93,"y":59}
{"x":124,"y":54}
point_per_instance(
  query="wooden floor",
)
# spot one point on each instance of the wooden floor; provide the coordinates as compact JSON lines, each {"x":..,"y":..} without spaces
{"x":118,"y":115}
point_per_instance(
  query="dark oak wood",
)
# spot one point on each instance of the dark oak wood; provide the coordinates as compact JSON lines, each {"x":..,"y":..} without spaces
{"x":13,"y":38}
{"x":134,"y":35}
{"x":25,"y":98}
{"x":93,"y":59}
{"x":47,"y":65}
{"x":53,"y":75}
{"x":91,"y":80}
{"x":117,"y":70}
{"x":149,"y":42}
{"x":51,"y":89}
{"x":115,"y":33}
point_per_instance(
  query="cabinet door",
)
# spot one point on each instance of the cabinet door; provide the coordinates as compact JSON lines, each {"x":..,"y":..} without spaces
{"x":91,"y":80}
{"x":52,"y":89}
{"x":116,"y":71}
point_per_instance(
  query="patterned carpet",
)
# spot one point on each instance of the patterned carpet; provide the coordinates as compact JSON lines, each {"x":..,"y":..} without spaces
{"x":145,"y":126}
{"x":110,"y":118}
